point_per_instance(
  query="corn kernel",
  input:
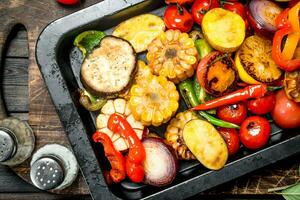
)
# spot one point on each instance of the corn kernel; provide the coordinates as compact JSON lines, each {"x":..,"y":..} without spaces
{"x":190,"y":59}
{"x":136,"y":90}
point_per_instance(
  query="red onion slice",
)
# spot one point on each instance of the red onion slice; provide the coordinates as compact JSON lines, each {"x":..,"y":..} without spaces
{"x":160,"y":164}
{"x":262,"y":15}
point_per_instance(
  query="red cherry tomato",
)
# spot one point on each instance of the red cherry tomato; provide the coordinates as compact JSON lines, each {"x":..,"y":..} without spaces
{"x":200,"y":7}
{"x":231,"y":137}
{"x":255,"y":132}
{"x":263,"y":105}
{"x":68,"y":2}
{"x":237,"y":8}
{"x":180,"y":2}
{"x":292,"y":3}
{"x":286,"y":112}
{"x":177,"y":17}
{"x":235,"y":113}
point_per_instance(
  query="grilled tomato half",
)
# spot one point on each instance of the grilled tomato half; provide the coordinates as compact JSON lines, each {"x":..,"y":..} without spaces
{"x":217,"y":73}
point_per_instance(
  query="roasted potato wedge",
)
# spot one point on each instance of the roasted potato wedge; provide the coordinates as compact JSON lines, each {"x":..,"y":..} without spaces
{"x":140,"y":30}
{"x":206,"y":144}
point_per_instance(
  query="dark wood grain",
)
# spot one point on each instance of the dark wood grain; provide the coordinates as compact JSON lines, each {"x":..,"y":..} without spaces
{"x":18,"y":47}
{"x":14,"y":93}
{"x":11,"y":183}
{"x":42,"y":196}
{"x":16,"y":71}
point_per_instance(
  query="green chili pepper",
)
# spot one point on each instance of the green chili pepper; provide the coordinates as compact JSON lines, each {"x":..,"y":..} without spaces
{"x":188,"y":94}
{"x":202,"y":47}
{"x":201,"y":95}
{"x":91,"y":102}
{"x":216,"y":121}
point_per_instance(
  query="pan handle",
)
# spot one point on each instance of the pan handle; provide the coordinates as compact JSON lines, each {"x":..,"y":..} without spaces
{"x":5,"y":30}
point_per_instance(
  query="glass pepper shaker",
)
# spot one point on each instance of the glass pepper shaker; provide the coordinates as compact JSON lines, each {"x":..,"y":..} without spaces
{"x":53,"y":167}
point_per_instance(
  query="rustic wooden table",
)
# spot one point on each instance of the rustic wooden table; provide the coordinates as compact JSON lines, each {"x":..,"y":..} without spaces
{"x":21,"y":103}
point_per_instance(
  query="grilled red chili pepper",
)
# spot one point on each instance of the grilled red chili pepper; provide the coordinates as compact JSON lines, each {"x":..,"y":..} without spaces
{"x":251,"y":91}
{"x":136,"y":155}
{"x":116,"y":159}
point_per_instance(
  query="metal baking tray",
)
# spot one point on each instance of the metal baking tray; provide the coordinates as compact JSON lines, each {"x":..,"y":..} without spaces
{"x":60,"y":64}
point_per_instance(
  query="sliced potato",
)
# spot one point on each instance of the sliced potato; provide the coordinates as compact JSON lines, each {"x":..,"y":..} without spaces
{"x":206,"y":144}
{"x":140,"y":30}
{"x":118,"y":106}
{"x":224,"y":30}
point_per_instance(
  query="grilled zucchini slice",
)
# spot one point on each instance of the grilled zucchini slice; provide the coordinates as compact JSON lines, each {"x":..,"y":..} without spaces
{"x":140,"y":30}
{"x":255,"y":56}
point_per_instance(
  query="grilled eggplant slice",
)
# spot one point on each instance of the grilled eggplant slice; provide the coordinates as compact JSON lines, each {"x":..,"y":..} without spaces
{"x":109,"y":69}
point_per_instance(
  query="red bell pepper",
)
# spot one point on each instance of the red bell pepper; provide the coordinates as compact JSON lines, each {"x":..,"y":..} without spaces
{"x":136,"y":155}
{"x":288,"y":25}
{"x":115,"y":158}
{"x":284,"y":63}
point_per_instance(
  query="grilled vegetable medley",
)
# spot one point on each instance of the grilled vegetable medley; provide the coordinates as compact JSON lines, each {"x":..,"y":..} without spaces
{"x":215,"y":74}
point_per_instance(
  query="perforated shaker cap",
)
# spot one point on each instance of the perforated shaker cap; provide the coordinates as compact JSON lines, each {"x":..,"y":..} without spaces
{"x":7,"y":144}
{"x":47,"y":173}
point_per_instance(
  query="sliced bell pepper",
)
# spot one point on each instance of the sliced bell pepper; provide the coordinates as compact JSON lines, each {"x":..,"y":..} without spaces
{"x":116,"y":159}
{"x":284,"y":63}
{"x":290,"y":28}
{"x":137,"y":154}
{"x":293,"y":38}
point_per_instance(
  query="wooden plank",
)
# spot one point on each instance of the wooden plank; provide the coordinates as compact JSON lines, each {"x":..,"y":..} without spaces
{"x":11,"y":183}
{"x":18,"y":49}
{"x":39,"y":196}
{"x":18,"y":46}
{"x":16,"y":98}
{"x":15,"y":72}
{"x":21,"y":116}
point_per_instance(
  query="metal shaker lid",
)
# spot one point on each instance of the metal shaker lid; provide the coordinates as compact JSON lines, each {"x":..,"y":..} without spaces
{"x":64,"y":156}
{"x":7,"y":144}
{"x":47,"y":173}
